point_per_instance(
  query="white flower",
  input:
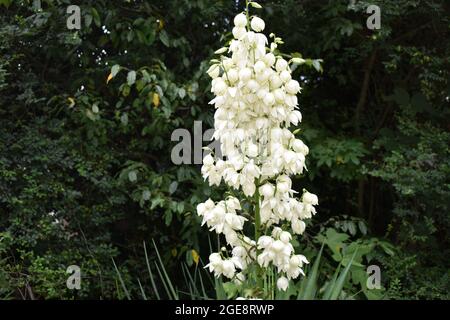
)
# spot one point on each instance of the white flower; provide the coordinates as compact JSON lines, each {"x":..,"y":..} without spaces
{"x":228,"y":268}
{"x":284,"y":184}
{"x":208,"y":160}
{"x":278,"y":245}
{"x":292,"y":87}
{"x":281,"y":65}
{"x":252,"y":150}
{"x":269,"y":59}
{"x":264,"y":242}
{"x":238,"y":32}
{"x":299,"y":146}
{"x":267,"y":190}
{"x":310,"y":198}
{"x":232,"y":75}
{"x":285,"y":237}
{"x":298,"y":226}
{"x":269,"y":99}
{"x":245,"y":74}
{"x":260,"y":66}
{"x":282,"y":283}
{"x":257,"y":24}
{"x":213,"y":71}
{"x":285,"y":76}
{"x":240,"y":20}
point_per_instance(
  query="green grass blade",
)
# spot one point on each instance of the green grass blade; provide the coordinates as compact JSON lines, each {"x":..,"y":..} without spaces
{"x":191,"y":284}
{"x":169,"y":283}
{"x":121,"y":281}
{"x":152,"y":280}
{"x":201,"y":282}
{"x":169,"y":293}
{"x":142,"y":290}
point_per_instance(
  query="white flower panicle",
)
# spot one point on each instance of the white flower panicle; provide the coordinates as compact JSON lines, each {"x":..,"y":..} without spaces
{"x":256,"y":102}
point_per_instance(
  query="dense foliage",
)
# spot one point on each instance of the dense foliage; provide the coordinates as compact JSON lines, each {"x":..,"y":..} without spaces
{"x":86,"y":118}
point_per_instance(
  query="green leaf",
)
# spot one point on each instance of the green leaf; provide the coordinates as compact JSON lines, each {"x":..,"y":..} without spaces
{"x":164,"y":38}
{"x":115,"y":70}
{"x":131,"y":78}
{"x":362,"y":227}
{"x":317,"y":65}
{"x":6,"y":3}
{"x":230,"y":289}
{"x":96,"y":17}
{"x":132,"y":176}
{"x":181,"y":93}
{"x":173,"y":187}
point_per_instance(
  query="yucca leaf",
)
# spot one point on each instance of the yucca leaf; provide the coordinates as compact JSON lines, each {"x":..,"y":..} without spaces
{"x":142,"y":290}
{"x":152,"y":280}
{"x":341,"y":280}
{"x":311,"y":278}
{"x":330,"y":285}
{"x":169,"y":283}
{"x":121,"y":281}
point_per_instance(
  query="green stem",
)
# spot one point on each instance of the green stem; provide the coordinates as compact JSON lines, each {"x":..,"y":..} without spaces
{"x":257,"y":215}
{"x":247,"y":14}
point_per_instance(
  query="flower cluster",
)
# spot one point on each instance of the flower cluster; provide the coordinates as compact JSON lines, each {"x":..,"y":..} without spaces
{"x":256,"y":102}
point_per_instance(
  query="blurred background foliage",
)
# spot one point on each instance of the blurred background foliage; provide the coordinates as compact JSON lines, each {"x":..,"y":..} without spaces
{"x":86,"y":118}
